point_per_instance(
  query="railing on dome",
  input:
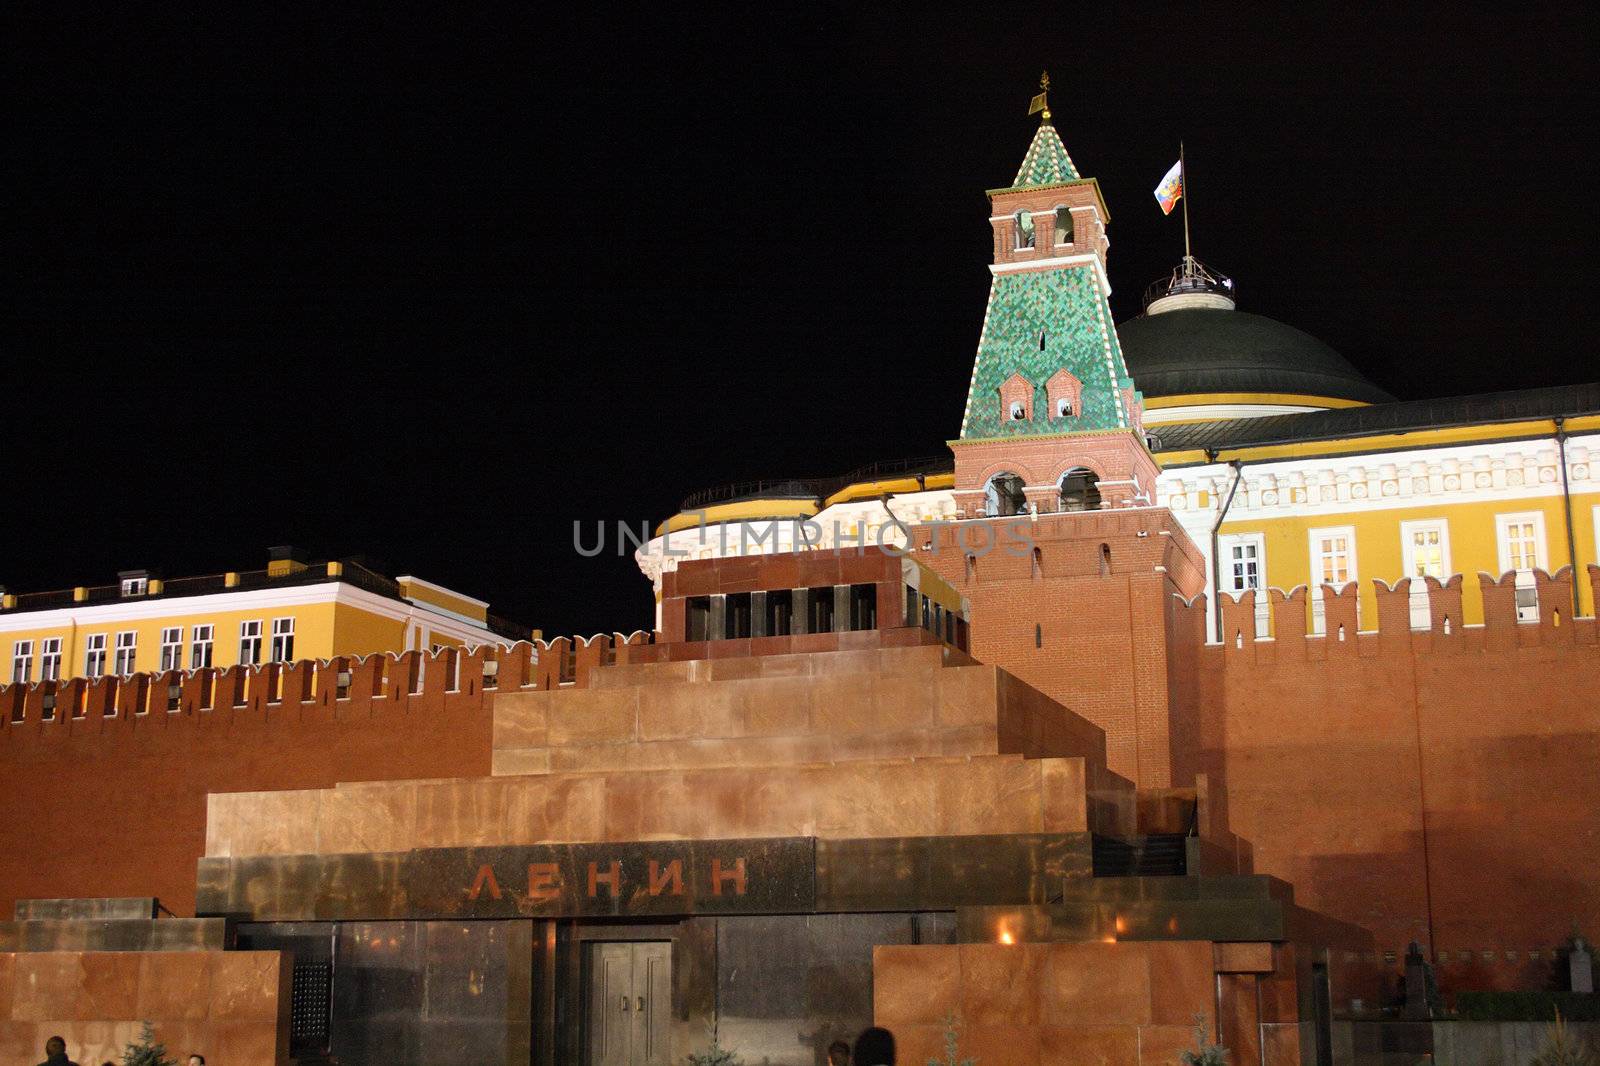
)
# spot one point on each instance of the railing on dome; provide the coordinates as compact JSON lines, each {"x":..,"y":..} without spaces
{"x":819,"y":488}
{"x":1190,"y":276}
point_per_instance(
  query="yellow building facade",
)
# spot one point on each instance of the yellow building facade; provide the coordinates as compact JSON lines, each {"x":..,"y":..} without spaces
{"x":289,"y":611}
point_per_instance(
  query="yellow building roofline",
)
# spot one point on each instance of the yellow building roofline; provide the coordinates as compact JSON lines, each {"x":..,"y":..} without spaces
{"x":1381,"y":442}
{"x":1205,"y":399}
{"x":739,"y":511}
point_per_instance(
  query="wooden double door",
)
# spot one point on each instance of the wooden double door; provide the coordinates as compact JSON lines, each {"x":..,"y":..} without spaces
{"x":630,"y":1003}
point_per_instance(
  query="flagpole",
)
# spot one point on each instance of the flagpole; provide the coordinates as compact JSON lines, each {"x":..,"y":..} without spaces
{"x":1183,"y":188}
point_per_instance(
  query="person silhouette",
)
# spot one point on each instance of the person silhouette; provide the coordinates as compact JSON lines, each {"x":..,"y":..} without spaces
{"x":874,"y":1047}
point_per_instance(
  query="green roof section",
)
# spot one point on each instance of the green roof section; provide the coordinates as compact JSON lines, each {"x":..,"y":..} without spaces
{"x":1047,"y":161}
{"x":1040,"y":322}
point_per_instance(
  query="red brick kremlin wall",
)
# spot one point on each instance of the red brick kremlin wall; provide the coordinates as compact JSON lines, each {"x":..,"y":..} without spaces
{"x":104,"y":794}
{"x":1400,"y":779}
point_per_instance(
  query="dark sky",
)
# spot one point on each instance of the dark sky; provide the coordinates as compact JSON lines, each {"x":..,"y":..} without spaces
{"x":434,"y":286}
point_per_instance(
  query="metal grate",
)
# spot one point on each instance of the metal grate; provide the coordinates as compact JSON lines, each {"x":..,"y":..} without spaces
{"x":308,"y":1007}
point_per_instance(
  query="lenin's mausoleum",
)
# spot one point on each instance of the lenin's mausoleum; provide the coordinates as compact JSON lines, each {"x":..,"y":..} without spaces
{"x":1199,"y":680}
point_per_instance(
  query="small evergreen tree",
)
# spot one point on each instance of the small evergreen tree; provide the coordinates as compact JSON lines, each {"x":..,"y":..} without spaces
{"x":147,"y":1052}
{"x":716,"y":1054}
{"x":1561,"y":1048}
{"x":1204,"y":1054}
{"x":951,"y":1048}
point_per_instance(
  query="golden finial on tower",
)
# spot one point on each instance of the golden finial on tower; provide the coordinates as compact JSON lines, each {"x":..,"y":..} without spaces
{"x":1041,"y":103}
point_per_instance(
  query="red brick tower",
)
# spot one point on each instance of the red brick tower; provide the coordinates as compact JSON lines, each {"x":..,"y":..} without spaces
{"x":1053,"y":422}
{"x":1069,"y":568}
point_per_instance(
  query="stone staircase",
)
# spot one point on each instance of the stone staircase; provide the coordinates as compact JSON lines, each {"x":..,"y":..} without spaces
{"x":1155,"y":855}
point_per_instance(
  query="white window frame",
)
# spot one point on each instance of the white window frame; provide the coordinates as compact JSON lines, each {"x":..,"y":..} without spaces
{"x":1527,"y":588}
{"x":250,"y":642}
{"x":1421,"y":610}
{"x":135,"y":586}
{"x":283,"y":639}
{"x":22,"y":662}
{"x":1353,"y":574}
{"x":202,"y":644}
{"x":126,"y":651}
{"x":50,"y":659}
{"x":1226,"y":543}
{"x":171,"y":648}
{"x":94,"y":655}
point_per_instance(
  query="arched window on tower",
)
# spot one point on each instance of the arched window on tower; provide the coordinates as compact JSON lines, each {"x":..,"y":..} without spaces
{"x":1022,"y":222}
{"x":1003,"y":496}
{"x":1080,"y":490}
{"x":1063,"y":224}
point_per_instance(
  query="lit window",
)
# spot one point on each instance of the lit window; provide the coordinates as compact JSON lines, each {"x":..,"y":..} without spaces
{"x":50,"y":659}
{"x":127,"y":649}
{"x":22,"y":662}
{"x":94,"y":655}
{"x":1333,"y":562}
{"x":172,"y":649}
{"x":1063,"y":225}
{"x":1023,"y":222}
{"x":1018,"y":413}
{"x":282,"y":640}
{"x":249,"y":643}
{"x":1063,"y":408}
{"x":1520,"y":539}
{"x":200,"y":647}
{"x":135,"y":586}
{"x":1427,"y":554}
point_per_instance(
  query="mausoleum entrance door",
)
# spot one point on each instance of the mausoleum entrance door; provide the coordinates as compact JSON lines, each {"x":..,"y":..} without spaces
{"x":630,"y":1003}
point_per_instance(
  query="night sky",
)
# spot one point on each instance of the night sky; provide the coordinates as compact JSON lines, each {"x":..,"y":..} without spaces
{"x":433,"y":286}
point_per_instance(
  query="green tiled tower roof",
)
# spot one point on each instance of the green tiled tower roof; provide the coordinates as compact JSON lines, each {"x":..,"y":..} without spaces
{"x":1047,"y":161}
{"x":1064,"y":307}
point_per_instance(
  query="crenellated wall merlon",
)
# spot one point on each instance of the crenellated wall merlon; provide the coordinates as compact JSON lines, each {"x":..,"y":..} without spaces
{"x":407,"y":680}
{"x":1547,"y":622}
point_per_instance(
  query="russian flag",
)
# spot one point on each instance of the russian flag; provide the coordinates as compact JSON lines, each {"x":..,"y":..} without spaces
{"x":1171,"y":188}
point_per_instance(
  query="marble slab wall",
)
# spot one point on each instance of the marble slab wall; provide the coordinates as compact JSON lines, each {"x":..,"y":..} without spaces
{"x":232,"y":1007}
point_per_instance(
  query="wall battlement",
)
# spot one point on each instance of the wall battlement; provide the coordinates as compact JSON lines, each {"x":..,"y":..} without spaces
{"x":1346,"y":633}
{"x":412,"y":680}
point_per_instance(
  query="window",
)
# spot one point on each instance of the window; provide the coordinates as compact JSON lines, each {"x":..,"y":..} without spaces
{"x":1063,"y":408}
{"x":94,"y":655}
{"x":1521,"y":542}
{"x":282,"y":640}
{"x":1063,"y":225}
{"x":863,"y":607}
{"x":200,"y":647}
{"x":135,"y":586}
{"x":819,"y":610}
{"x":736,"y":616}
{"x":1017,"y":411}
{"x":1080,"y":490}
{"x":1244,"y":558}
{"x":1022,"y":223}
{"x":780,"y":608}
{"x":1003,"y":496}
{"x":249,"y":643}
{"x":697,"y":618}
{"x":1333,"y":562}
{"x":172,"y":649}
{"x":22,"y":662}
{"x":1426,"y":547}
{"x":50,"y":659}
{"x":127,"y":649}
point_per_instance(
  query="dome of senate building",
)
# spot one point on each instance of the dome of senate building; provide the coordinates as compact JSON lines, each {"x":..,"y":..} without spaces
{"x":1193,"y":357}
